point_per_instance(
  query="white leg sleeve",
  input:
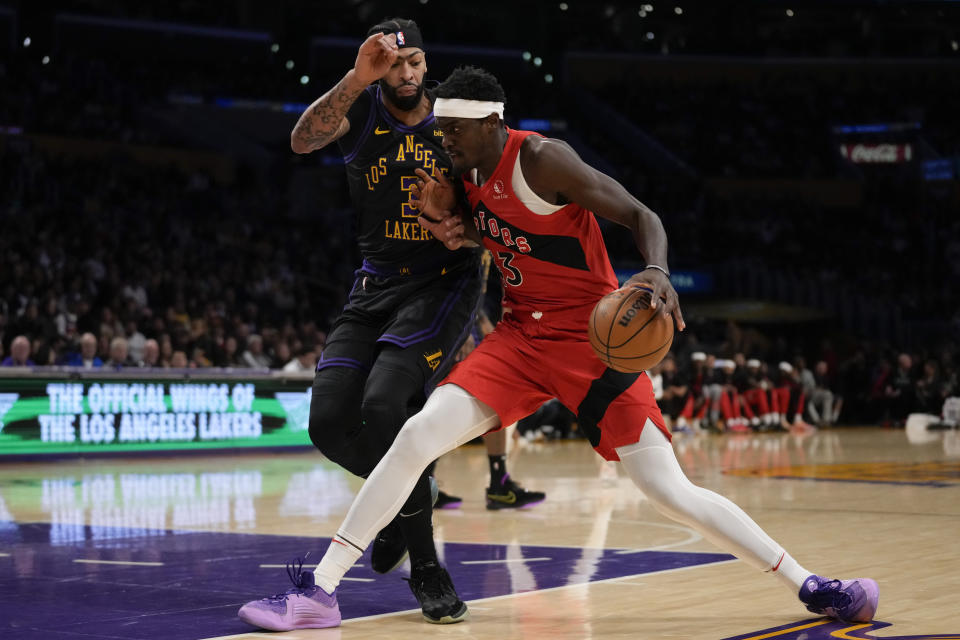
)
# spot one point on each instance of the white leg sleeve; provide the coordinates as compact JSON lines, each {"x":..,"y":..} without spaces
{"x":450,"y":418}
{"x":653,"y":467}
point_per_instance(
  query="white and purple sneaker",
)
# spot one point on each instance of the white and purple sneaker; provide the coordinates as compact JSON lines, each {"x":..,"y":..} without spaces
{"x":847,"y":600}
{"x":305,"y":606}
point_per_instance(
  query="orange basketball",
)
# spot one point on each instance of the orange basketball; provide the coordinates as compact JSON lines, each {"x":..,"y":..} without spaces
{"x":626,"y":334}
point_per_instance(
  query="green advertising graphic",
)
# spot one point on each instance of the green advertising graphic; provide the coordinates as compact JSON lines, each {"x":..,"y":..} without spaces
{"x":45,"y":415}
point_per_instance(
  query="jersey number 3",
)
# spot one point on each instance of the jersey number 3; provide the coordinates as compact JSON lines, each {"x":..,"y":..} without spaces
{"x":511,"y":275}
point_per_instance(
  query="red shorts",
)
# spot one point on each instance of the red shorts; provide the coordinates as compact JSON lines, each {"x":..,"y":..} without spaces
{"x":519,"y":367}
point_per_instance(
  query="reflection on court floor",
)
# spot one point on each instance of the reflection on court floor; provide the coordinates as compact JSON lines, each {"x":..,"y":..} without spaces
{"x":182,"y":585}
{"x":169,"y":547}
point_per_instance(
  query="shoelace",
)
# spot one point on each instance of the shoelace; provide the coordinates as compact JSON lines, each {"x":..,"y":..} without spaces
{"x":830,"y":595}
{"x":296,"y":577}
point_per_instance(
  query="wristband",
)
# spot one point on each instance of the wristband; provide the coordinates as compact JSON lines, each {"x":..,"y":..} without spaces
{"x":658,"y":268}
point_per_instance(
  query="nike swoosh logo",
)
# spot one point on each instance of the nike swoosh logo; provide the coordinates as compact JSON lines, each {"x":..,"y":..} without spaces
{"x":510,"y":498}
{"x":379,"y":132}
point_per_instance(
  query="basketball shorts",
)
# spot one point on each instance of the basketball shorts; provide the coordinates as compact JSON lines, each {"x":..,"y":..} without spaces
{"x":514,"y":372}
{"x":427,"y":316}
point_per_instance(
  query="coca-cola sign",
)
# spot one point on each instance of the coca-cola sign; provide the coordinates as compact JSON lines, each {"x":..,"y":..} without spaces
{"x":877,"y":153}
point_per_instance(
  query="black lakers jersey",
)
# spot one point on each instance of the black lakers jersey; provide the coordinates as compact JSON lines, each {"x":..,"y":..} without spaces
{"x":381,"y":154}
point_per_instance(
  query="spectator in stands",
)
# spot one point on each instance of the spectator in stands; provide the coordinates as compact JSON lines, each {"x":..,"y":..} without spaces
{"x":19,"y":353}
{"x":230,"y":356}
{"x":254,"y":357}
{"x":899,"y":390}
{"x":119,"y":354}
{"x":281,"y":355}
{"x":49,"y":329}
{"x":66,"y":320}
{"x":674,"y":393}
{"x":28,"y":323}
{"x":804,"y":376}
{"x":109,"y":325}
{"x":151,"y":354}
{"x":135,"y":341}
{"x":824,"y":405}
{"x":198,"y":357}
{"x":166,"y":350}
{"x":87,"y":357}
{"x":855,"y":385}
{"x":179,"y":360}
{"x":551,"y":421}
{"x":928,"y":389}
{"x":950,"y":377}
{"x":45,"y":353}
{"x":305,"y":360}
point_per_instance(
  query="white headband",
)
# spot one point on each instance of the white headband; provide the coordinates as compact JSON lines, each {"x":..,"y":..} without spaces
{"x":459,"y":108}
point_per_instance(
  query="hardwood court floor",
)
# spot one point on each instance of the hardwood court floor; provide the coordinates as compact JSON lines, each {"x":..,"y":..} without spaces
{"x":159,"y":548}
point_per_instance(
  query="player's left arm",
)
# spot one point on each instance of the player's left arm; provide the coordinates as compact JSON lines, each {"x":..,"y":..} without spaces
{"x":556,"y":173}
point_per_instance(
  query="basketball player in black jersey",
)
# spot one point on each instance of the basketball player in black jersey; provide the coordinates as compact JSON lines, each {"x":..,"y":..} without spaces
{"x":413,"y":301}
{"x":412,"y":298}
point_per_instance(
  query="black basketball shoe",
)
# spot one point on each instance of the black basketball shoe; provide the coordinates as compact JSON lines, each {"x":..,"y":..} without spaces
{"x":447,"y":501}
{"x":510,"y":495}
{"x":390,"y":547}
{"x":433,"y":589}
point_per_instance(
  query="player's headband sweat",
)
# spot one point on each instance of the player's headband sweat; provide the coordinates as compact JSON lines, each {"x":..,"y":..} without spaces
{"x":461,"y":108}
{"x":408,"y":36}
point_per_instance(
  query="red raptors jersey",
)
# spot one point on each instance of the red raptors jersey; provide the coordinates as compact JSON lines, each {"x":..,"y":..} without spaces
{"x":555,"y":266}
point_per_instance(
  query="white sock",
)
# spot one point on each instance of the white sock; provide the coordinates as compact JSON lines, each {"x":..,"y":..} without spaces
{"x":790,"y":573}
{"x":340,"y":556}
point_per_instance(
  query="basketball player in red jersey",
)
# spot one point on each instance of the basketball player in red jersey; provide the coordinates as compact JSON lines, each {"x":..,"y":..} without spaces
{"x":532,"y":201}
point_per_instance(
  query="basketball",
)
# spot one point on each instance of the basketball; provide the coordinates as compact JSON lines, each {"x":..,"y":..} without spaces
{"x":626,"y":334}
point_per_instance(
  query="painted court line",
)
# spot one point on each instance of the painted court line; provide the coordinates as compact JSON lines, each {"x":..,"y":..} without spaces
{"x":783,"y":632}
{"x":504,"y":561}
{"x":623,"y":580}
{"x":283,"y":566}
{"x":131,"y":563}
{"x":359,"y":579}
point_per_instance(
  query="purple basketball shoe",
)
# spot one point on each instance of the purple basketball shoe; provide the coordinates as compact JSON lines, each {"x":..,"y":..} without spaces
{"x":305,"y":606}
{"x":848,"y":600}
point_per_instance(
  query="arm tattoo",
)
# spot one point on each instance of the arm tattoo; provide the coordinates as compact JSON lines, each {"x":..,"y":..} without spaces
{"x":322,"y":122}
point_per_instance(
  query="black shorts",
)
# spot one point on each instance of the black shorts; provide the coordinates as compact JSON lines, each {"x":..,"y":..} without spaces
{"x":429,"y":316}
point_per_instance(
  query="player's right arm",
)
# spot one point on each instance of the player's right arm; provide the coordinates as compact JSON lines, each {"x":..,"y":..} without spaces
{"x":557,"y":174}
{"x":325,"y":120}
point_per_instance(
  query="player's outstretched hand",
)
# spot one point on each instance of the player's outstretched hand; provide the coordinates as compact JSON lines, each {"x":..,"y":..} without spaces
{"x":377,"y":54}
{"x":662,"y":291}
{"x":433,"y":195}
{"x":446,"y":227}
